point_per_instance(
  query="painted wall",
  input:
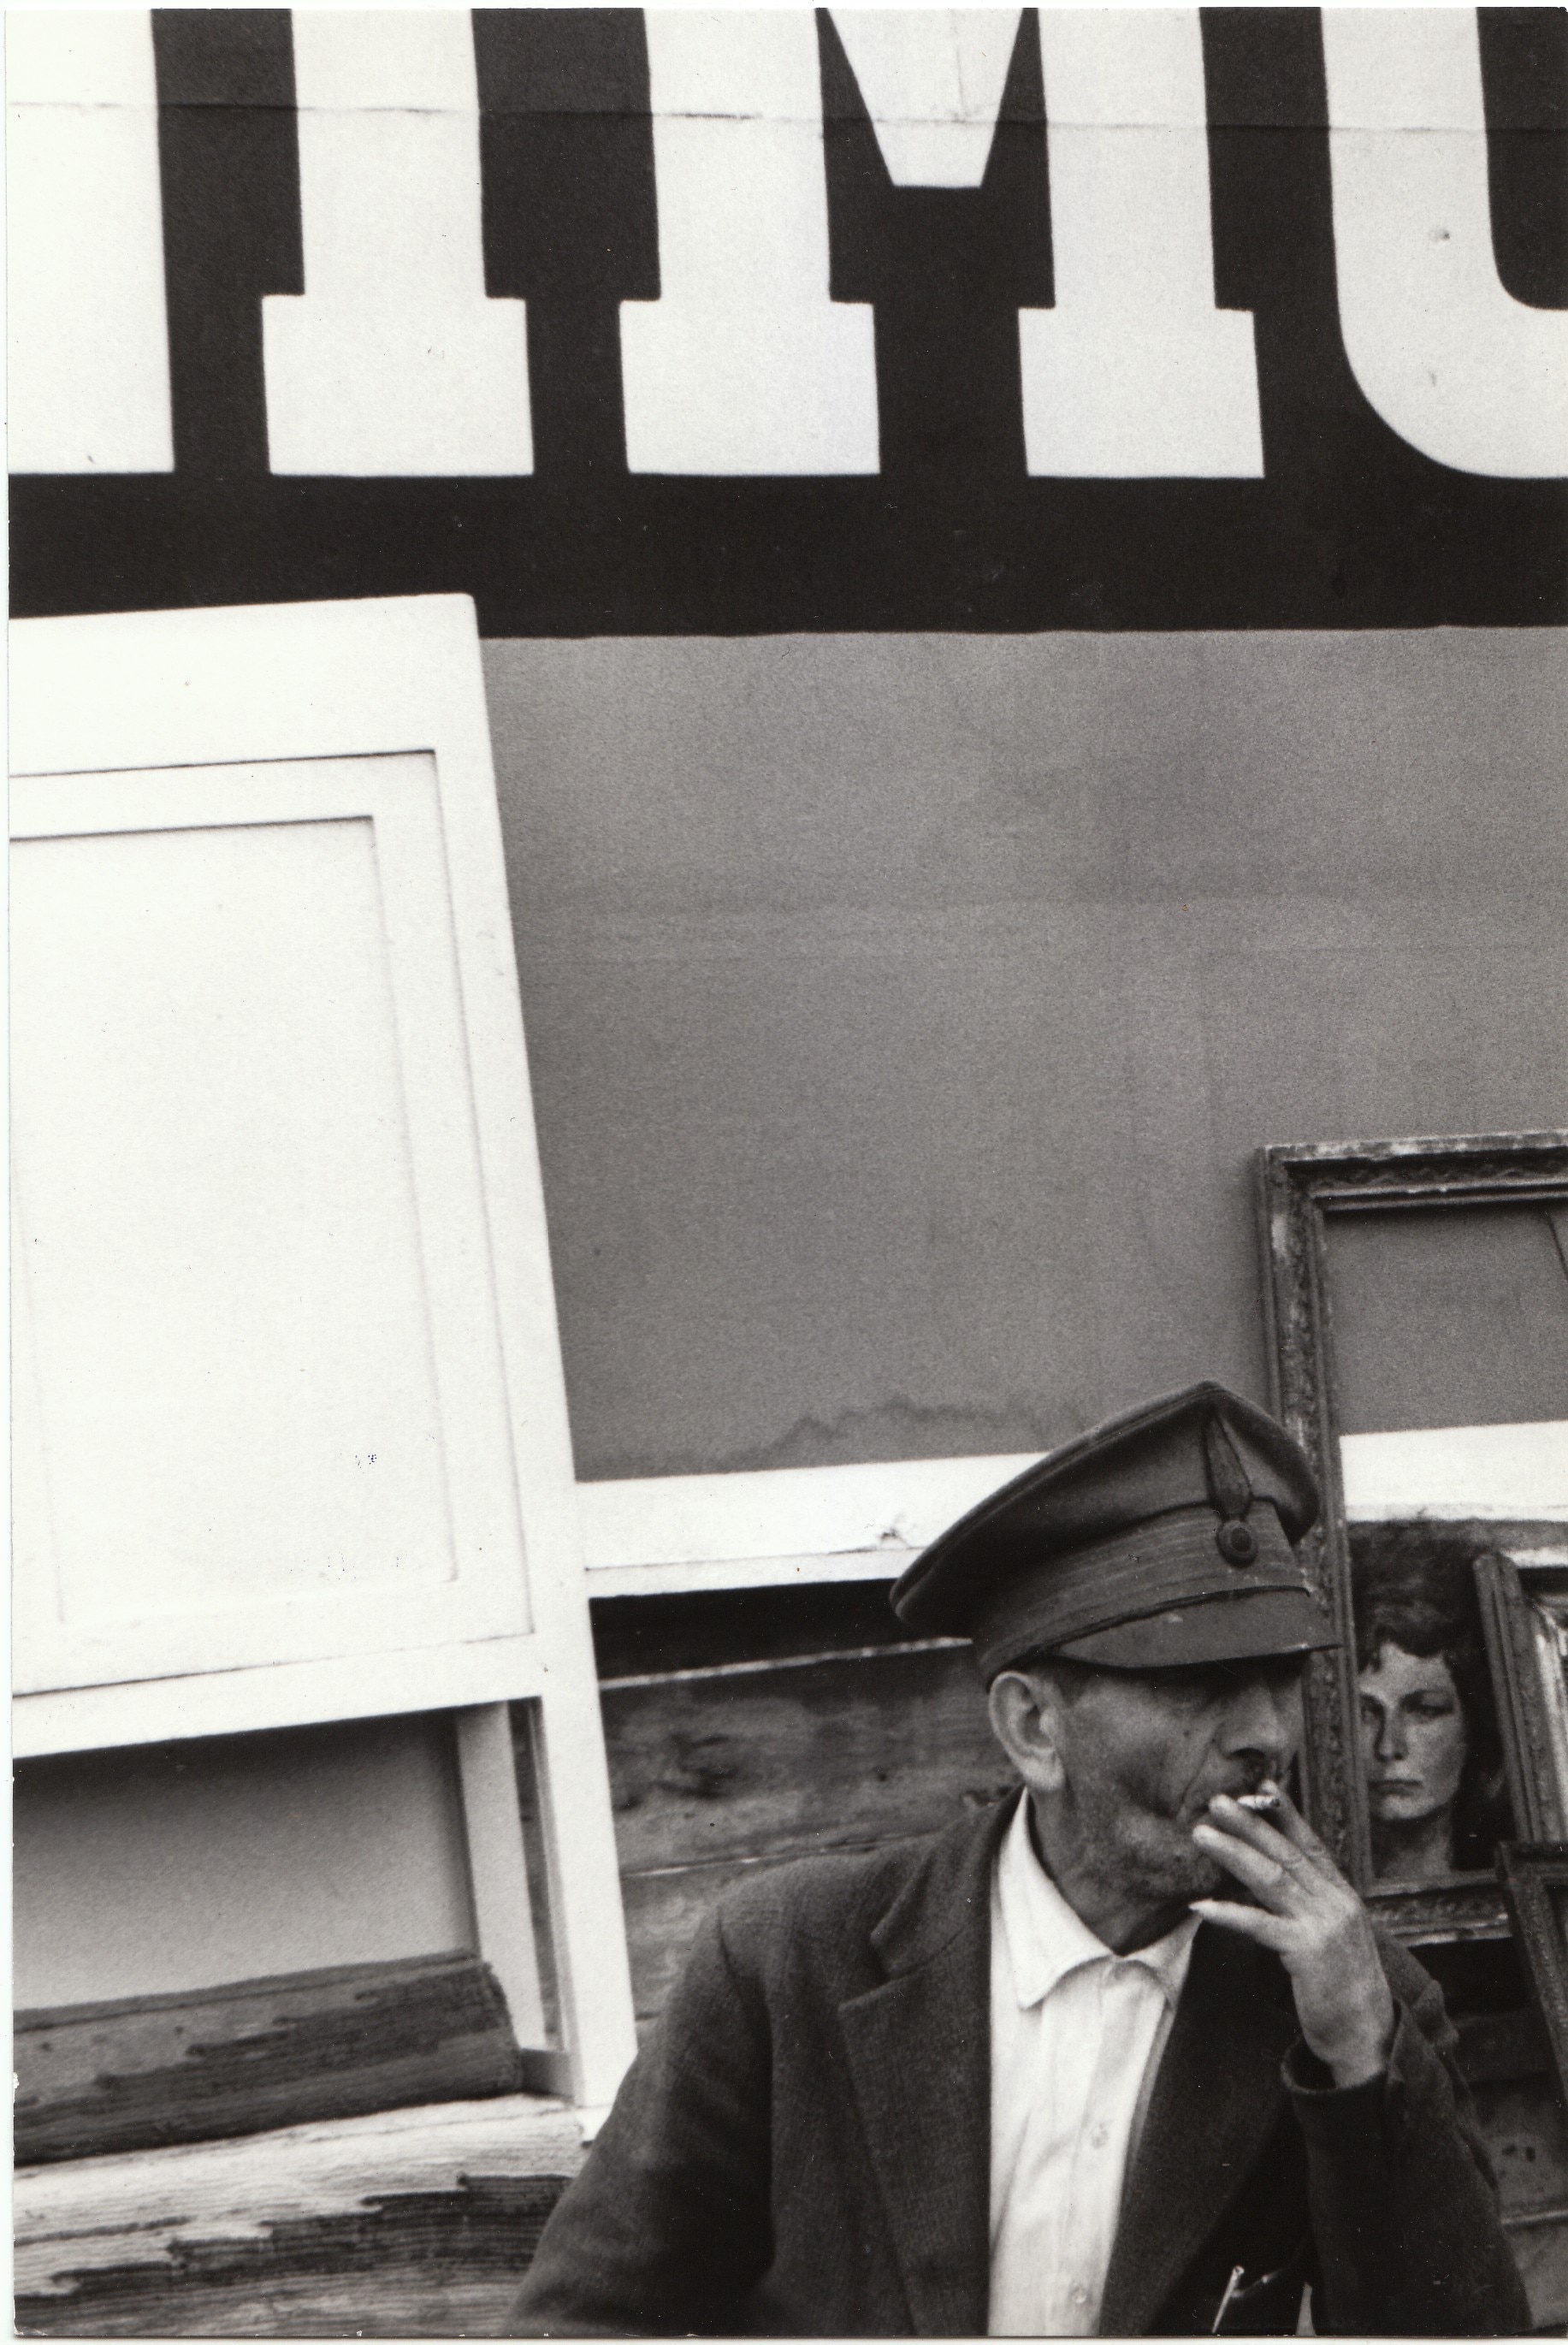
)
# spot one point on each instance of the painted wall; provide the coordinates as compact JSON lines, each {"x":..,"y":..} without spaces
{"x":903,"y":1011}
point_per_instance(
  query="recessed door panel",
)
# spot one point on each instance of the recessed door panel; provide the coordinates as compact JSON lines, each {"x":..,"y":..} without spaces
{"x":259,"y":1372}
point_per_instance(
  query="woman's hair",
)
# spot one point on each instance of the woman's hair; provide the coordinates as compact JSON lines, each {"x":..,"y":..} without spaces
{"x":1413,"y":1585}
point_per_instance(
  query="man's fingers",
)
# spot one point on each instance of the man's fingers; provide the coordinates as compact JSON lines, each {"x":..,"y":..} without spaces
{"x":1271,"y":1878}
{"x":1285,"y":1835}
{"x":1258,"y":1831}
{"x":1300,"y":1832}
{"x":1246,"y":1921}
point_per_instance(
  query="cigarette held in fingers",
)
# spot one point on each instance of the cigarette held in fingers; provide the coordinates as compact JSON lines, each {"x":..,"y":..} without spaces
{"x":1259,"y":1803}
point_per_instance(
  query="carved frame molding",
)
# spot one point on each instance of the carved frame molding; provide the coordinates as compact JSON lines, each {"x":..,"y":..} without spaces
{"x":1531,"y":1870}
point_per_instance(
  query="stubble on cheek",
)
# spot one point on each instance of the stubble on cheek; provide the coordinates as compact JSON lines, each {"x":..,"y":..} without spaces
{"x":1208,"y":1878}
{"x":1140,"y":1832}
{"x":1165,"y":1815}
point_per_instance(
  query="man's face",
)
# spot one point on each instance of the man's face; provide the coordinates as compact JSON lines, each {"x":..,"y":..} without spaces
{"x":1144,"y":1752}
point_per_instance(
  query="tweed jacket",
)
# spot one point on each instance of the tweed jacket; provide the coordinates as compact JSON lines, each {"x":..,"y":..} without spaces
{"x":802,"y":2148}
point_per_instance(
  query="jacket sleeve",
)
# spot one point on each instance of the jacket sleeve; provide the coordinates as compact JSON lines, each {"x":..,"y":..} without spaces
{"x":1404,"y":2210}
{"x":666,"y":2229}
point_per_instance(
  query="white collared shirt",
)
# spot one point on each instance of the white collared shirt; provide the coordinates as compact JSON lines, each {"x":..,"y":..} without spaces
{"x":1077,"y":2033}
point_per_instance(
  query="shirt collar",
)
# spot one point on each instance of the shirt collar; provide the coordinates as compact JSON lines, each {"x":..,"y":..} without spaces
{"x":1045,"y":1939}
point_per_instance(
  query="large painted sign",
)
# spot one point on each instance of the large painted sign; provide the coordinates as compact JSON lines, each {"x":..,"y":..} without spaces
{"x":733,"y":322}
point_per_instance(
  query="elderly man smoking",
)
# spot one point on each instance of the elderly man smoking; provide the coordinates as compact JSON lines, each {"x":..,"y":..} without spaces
{"x":1123,"y":2056}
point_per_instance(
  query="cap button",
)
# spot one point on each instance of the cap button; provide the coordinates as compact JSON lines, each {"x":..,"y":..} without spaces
{"x":1236,"y":1543}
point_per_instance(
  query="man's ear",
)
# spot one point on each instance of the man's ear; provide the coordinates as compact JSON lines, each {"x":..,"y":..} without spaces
{"x":1025,"y":1719}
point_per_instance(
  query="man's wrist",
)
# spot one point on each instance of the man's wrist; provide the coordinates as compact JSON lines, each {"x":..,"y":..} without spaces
{"x":1359,"y":2069}
{"x":1364,"y":2055}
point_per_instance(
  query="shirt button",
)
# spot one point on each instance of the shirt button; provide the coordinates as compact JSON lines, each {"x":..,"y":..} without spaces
{"x":1099,"y":2135}
{"x":1080,"y":2293}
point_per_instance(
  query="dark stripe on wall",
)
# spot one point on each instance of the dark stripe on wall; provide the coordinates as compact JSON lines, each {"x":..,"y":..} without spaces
{"x":566,"y":148}
{"x":947,"y":270}
{"x":230,"y":167}
{"x":1524,"y":82}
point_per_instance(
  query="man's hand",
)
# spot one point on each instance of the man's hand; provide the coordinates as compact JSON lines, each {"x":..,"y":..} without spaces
{"x":1312,"y":1919}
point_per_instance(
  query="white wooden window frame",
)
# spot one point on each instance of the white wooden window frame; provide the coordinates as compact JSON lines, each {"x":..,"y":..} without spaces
{"x":143,"y":692}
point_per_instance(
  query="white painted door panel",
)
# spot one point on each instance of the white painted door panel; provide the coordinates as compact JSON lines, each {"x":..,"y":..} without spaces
{"x":256,"y":1305}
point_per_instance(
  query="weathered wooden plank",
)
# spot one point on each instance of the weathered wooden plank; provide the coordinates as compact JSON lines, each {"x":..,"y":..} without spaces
{"x":429,"y":2264}
{"x":644,"y":1635}
{"x":262,"y":2052}
{"x":662,"y":1912}
{"x":825,"y":1752}
{"x":720,"y":1769}
{"x":413,"y":2222}
{"x":1502,"y":2046}
{"x":1540,"y":2244}
{"x":421,"y":2222}
{"x":1524,"y":2129}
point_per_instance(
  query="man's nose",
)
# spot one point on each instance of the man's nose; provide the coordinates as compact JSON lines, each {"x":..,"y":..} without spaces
{"x":1265,"y":1717}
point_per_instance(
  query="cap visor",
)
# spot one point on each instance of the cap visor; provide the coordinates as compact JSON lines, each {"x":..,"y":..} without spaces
{"x":1248,"y":1626}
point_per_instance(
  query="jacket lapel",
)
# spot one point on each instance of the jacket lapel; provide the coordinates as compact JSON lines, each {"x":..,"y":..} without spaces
{"x":919,"y":2049}
{"x":1216,"y":2097}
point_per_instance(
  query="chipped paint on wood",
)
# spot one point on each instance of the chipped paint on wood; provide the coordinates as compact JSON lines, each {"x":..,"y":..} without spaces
{"x":414,"y":2221}
{"x":143,"y":2072}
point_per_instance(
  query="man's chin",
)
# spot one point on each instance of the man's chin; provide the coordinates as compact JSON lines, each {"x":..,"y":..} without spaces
{"x":1177,"y":1871}
{"x":1201,"y":1878}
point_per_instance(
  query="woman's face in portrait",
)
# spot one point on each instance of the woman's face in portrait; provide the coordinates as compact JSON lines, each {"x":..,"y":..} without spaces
{"x":1414,"y":1737}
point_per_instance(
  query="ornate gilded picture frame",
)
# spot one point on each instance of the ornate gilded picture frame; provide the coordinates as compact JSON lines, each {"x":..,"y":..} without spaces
{"x":1525,"y":1618}
{"x":1416,"y":1297}
{"x":1535,"y":1875}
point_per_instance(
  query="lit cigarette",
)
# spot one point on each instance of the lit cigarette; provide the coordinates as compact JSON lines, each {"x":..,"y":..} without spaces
{"x":1261,"y":1803}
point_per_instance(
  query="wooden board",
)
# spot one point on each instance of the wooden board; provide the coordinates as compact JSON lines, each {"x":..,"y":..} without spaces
{"x":1522,"y":2128}
{"x":1540,"y":2246}
{"x":720,"y":1769}
{"x":1525,"y":2135}
{"x":705,"y":1629}
{"x":422,"y":2222}
{"x":839,"y":1751}
{"x":419,"y":2222}
{"x":137,"y":2075}
{"x":414,"y":2264}
{"x":662,"y":1910}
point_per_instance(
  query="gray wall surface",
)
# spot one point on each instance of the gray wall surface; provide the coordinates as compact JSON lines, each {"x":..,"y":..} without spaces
{"x":903,"y":1011}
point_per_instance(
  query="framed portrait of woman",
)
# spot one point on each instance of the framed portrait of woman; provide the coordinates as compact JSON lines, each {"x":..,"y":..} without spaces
{"x":1417,"y":1300}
